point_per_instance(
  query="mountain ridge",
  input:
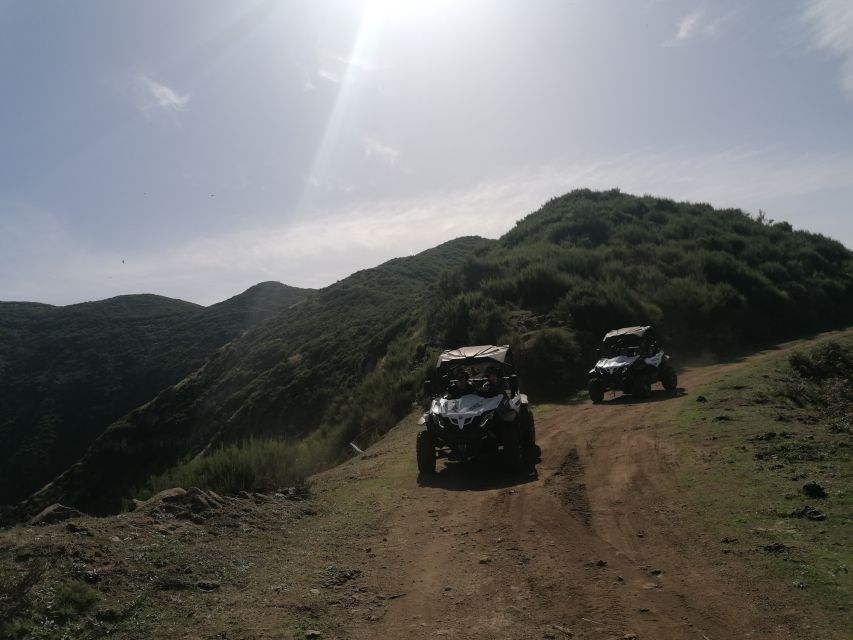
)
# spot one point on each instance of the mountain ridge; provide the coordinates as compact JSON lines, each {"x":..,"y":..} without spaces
{"x":348,"y":361}
{"x":67,"y":372}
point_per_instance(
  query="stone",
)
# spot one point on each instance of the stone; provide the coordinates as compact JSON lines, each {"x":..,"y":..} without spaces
{"x":55,"y":513}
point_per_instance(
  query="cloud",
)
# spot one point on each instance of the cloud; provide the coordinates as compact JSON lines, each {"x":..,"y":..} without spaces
{"x":831,"y":29}
{"x":160,"y":95}
{"x":362,"y":64}
{"x":374,"y":148}
{"x":329,"y":75}
{"x":688,"y":26}
{"x":699,"y":24}
{"x":319,"y":246}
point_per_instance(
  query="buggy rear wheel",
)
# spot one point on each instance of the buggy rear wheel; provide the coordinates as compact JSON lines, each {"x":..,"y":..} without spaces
{"x":669,"y":379}
{"x":426,"y":453}
{"x":641,"y":388}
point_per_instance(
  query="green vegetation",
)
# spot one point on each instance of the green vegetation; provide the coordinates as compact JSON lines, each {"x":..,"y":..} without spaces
{"x":324,"y":366}
{"x":348,"y":361}
{"x":66,"y":373}
{"x":713,"y":281}
{"x":250,"y":465}
{"x":767,"y":465}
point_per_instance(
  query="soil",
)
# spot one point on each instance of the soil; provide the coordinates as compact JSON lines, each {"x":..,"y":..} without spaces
{"x":591,"y":545}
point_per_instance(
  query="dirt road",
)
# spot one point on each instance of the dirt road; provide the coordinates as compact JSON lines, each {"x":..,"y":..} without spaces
{"x":592,"y":546}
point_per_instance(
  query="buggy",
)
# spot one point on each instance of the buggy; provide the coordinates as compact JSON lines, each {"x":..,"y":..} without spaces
{"x":631,"y":360}
{"x":478,"y":422}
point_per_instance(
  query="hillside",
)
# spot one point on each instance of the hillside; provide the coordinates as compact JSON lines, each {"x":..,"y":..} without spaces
{"x":302,"y":371}
{"x":348,"y":362}
{"x":651,"y":519}
{"x":713,"y":281}
{"x":67,"y":372}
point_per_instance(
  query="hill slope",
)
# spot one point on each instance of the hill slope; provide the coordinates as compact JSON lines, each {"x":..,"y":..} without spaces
{"x":67,"y":372}
{"x":349,"y":361}
{"x":609,"y":539}
{"x":287,"y":376}
{"x":712,"y":280}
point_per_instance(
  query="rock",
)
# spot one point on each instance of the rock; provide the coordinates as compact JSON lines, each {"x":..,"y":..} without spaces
{"x":814,"y":490}
{"x":656,"y":572}
{"x":768,"y":435}
{"x":701,"y":399}
{"x":71,"y":527}
{"x":630,"y":636}
{"x":485,"y":560}
{"x":601,"y":563}
{"x":810,"y":513}
{"x":722,"y":418}
{"x":313,"y":633}
{"x":620,"y":578}
{"x":166,"y":495}
{"x":207,"y":585}
{"x":775,"y":547}
{"x":178,"y":501}
{"x":55,"y":513}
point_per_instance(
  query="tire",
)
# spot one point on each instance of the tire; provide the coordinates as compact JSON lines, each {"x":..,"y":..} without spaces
{"x":511,"y":455}
{"x":426,"y":454}
{"x":640,"y":388}
{"x":528,"y":439}
{"x":596,"y":390}
{"x":669,"y":379}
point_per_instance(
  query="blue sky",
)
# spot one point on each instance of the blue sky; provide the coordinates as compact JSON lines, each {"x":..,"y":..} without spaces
{"x":194,"y":148}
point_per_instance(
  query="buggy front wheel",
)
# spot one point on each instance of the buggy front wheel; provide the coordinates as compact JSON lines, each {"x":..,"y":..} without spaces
{"x":596,"y":390}
{"x":426,"y":453}
{"x":669,"y":379}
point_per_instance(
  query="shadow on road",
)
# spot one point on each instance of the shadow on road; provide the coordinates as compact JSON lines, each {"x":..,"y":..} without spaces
{"x":657,"y":395}
{"x":482,"y":474}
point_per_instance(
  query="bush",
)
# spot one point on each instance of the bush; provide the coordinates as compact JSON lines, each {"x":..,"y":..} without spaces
{"x":550,"y":363}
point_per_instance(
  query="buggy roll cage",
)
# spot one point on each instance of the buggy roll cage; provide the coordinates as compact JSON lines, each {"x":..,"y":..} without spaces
{"x":497,"y":356}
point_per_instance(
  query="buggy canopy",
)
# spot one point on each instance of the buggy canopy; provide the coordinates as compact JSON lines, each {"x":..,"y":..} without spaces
{"x":639,"y":332}
{"x":481,"y":353}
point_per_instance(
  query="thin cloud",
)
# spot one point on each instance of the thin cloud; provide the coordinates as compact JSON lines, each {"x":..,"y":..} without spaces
{"x":831,"y":29}
{"x":374,"y":148}
{"x":698,"y":24}
{"x":160,"y":95}
{"x":329,"y":75}
{"x":325,"y":245}
{"x":362,"y":64}
{"x":688,"y":26}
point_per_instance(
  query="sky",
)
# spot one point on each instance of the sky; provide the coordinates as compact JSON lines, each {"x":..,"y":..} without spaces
{"x":194,"y":148}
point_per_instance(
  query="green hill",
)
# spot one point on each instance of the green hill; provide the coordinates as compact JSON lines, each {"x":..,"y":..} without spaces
{"x":349,"y":361}
{"x":302,"y":371}
{"x":67,"y":372}
{"x":714,"y":281}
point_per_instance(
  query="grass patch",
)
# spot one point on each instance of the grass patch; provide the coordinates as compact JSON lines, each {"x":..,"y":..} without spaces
{"x":253,"y":465}
{"x":754,"y":452}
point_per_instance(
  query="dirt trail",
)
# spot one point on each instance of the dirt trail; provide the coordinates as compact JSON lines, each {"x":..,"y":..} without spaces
{"x":591,"y":547}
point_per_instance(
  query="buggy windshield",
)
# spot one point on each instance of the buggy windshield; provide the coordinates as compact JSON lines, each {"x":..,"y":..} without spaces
{"x":624,"y":345}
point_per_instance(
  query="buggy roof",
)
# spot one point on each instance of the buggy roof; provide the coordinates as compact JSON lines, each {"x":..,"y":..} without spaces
{"x":639,"y":332}
{"x":486,"y":352}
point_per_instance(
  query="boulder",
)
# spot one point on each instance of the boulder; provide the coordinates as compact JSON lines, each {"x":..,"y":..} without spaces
{"x":55,"y":513}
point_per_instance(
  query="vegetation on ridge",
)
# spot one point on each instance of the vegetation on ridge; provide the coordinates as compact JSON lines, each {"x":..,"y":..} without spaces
{"x":66,"y":373}
{"x":349,"y":361}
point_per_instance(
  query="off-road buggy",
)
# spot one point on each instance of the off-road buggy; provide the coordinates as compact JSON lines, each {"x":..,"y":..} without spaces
{"x":481,"y":421}
{"x":631,"y":360}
